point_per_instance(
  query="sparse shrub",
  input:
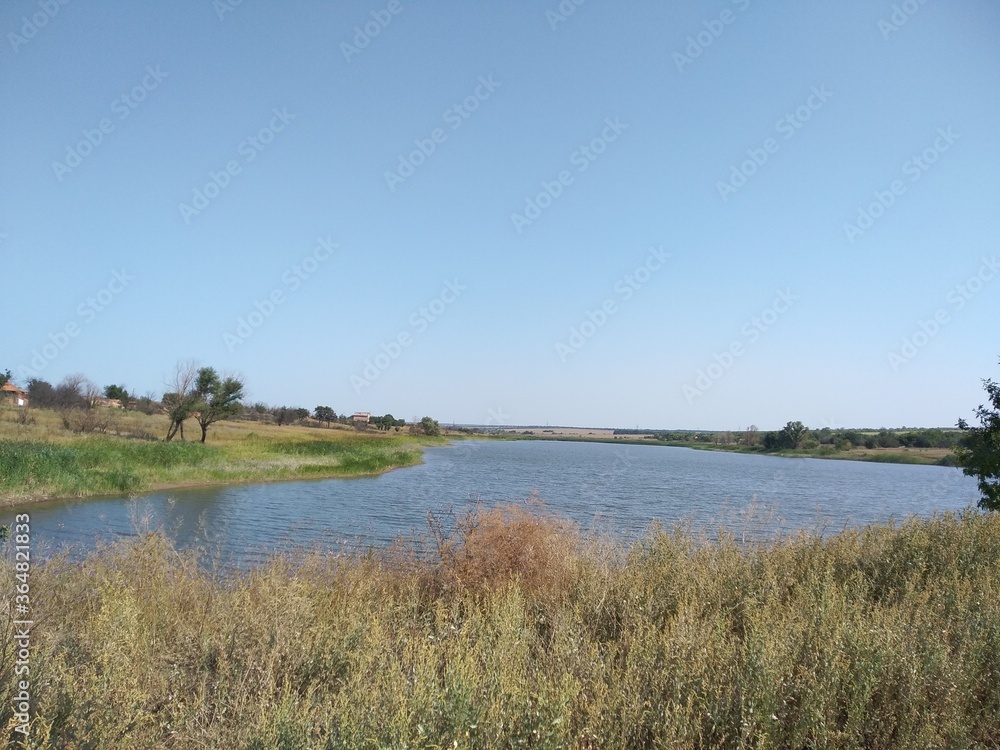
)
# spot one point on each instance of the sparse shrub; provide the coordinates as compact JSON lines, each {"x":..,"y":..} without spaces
{"x":489,"y":547}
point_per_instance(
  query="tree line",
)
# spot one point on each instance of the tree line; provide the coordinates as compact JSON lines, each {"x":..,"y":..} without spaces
{"x":194,"y":393}
{"x":796,"y":436}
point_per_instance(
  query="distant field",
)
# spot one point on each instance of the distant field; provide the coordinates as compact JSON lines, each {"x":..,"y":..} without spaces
{"x":44,"y":460}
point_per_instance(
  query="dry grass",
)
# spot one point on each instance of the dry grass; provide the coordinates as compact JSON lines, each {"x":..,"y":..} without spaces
{"x":509,"y":629}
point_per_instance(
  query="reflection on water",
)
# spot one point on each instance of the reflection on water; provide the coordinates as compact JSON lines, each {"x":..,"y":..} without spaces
{"x":616,"y":489}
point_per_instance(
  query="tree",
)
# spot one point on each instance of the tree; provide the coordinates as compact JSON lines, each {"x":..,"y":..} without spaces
{"x":386,"y":422}
{"x":978,"y":451}
{"x":751,"y":436}
{"x":792,"y":434}
{"x":74,"y":392}
{"x":119,"y":393}
{"x":147,"y":404}
{"x":41,"y":393}
{"x":430,"y":426}
{"x":216,"y":398}
{"x":180,"y":402}
{"x":324,"y":414}
{"x":5,"y":378}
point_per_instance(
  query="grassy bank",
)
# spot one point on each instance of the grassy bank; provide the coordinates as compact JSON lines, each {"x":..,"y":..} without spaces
{"x":513,"y":630}
{"x":43,"y":460}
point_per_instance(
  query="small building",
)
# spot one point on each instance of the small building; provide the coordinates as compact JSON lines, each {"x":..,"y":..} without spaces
{"x":362,"y":417}
{"x":11,"y":394}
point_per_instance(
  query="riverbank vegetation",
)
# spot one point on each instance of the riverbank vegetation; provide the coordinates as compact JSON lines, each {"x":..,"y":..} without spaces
{"x":45,"y":459}
{"x":511,"y":628}
{"x":74,"y":439}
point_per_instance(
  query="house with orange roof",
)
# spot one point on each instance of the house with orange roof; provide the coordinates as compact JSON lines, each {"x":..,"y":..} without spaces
{"x":11,"y":394}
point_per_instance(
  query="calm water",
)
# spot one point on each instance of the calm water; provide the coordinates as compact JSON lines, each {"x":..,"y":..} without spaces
{"x":619,"y":489}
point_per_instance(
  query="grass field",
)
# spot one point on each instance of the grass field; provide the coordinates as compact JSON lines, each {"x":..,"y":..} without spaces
{"x":510,"y":629}
{"x":43,"y":460}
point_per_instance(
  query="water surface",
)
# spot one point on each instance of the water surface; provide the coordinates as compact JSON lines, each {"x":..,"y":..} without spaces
{"x":617,"y":489}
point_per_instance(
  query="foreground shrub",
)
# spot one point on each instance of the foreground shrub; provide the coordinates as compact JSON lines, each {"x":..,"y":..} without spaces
{"x":507,"y":628}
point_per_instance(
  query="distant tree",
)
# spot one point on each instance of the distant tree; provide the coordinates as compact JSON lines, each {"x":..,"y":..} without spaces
{"x":886,"y":439}
{"x":180,"y":402}
{"x":853,"y":437}
{"x":288,"y":414}
{"x":792,"y":434}
{"x":75,"y":392}
{"x":430,"y":426}
{"x":386,"y":422}
{"x":5,"y":378}
{"x":751,"y":436}
{"x":147,"y":404}
{"x":772,"y":441}
{"x":41,"y":394}
{"x":324,"y":414}
{"x":978,"y":452}
{"x":116,"y":391}
{"x":119,"y":393}
{"x":216,"y":398}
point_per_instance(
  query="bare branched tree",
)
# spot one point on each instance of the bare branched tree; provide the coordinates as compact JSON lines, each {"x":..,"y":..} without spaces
{"x":180,"y":401}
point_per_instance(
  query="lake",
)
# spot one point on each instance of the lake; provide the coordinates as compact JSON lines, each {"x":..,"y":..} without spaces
{"x":615,"y":489}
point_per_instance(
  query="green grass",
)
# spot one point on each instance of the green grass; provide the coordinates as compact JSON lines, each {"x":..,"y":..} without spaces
{"x":514,"y":630}
{"x":95,"y":466}
{"x":43,"y":460}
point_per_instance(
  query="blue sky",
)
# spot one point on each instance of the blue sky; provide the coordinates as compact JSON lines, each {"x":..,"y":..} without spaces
{"x":701,"y":215}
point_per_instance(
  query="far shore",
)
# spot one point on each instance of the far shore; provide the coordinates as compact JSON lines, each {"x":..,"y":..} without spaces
{"x":922,"y":456}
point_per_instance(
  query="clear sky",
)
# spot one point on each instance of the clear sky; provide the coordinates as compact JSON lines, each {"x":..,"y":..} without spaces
{"x":677,"y":215}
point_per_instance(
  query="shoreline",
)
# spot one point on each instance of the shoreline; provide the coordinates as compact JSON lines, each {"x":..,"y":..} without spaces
{"x":7,"y":502}
{"x":868,"y":455}
{"x":45,"y":463}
